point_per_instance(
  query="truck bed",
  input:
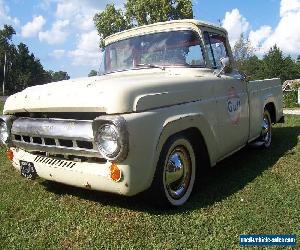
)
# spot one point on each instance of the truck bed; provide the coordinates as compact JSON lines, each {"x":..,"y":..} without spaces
{"x":260,"y":93}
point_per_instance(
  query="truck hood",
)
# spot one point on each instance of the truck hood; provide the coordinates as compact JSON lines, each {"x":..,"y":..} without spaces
{"x":131,"y":91}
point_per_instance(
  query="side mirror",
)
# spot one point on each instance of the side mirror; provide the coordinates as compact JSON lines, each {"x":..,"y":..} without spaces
{"x":225,"y":62}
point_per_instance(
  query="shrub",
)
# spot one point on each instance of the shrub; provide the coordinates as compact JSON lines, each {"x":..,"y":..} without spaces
{"x":290,"y":99}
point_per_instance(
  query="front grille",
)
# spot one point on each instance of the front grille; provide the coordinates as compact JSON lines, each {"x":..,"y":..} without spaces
{"x":54,"y":142}
{"x":55,"y":136}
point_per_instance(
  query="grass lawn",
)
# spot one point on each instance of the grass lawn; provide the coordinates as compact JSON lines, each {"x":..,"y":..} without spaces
{"x":253,"y":191}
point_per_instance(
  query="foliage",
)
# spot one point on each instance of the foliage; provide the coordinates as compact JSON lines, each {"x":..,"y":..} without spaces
{"x":110,"y":21}
{"x":242,"y":51}
{"x":290,"y":99}
{"x":93,"y":73}
{"x":278,"y":65}
{"x":254,"y":68}
{"x":296,"y":85}
{"x":58,"y":76}
{"x":23,"y":69}
{"x":140,"y":12}
{"x":26,"y":70}
{"x":251,"y":192}
{"x":273,"y":64}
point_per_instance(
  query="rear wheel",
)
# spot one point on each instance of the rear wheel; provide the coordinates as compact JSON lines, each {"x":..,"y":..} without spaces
{"x":266,"y":130}
{"x":175,"y":172}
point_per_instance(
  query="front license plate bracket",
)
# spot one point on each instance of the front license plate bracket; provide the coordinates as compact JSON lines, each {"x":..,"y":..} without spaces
{"x":28,"y":170}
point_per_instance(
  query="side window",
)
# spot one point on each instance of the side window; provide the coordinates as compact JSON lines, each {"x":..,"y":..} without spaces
{"x":195,"y":57}
{"x":216,"y":46}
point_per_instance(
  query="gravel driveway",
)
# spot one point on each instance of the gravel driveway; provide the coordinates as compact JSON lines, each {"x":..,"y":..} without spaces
{"x":291,"y":111}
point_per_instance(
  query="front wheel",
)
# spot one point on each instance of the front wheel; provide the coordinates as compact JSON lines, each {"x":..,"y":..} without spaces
{"x":175,"y":172}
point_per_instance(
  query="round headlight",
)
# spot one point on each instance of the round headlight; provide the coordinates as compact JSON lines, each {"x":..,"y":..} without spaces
{"x":3,"y":132}
{"x":107,"y":140}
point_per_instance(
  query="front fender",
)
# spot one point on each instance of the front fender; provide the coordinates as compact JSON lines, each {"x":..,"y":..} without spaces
{"x":178,"y":123}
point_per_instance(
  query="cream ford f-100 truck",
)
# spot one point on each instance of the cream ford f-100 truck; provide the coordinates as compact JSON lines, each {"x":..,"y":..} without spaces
{"x":167,"y":103}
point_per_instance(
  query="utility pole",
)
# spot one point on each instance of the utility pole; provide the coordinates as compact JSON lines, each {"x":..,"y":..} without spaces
{"x":220,"y":23}
{"x":4,"y":73}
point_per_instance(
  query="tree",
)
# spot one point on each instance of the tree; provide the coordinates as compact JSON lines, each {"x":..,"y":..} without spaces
{"x":26,"y":70}
{"x":93,"y":73}
{"x":109,"y":21}
{"x":298,"y":64}
{"x":253,"y":68}
{"x":7,"y":32}
{"x":140,"y":12}
{"x":58,"y":76}
{"x":22,"y":69}
{"x":245,"y":60}
{"x":242,"y":49}
{"x":7,"y":51}
{"x":275,"y":64}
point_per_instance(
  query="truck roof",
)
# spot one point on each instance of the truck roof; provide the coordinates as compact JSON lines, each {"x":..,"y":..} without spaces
{"x":158,"y":27}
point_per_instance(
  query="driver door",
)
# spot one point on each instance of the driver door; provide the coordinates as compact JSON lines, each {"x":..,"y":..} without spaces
{"x":231,"y":97}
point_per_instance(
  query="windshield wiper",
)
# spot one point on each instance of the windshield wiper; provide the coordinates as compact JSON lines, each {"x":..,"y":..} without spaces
{"x":150,"y":65}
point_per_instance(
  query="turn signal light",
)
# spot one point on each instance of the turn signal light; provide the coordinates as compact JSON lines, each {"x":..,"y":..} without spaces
{"x":115,"y":172}
{"x":10,"y":154}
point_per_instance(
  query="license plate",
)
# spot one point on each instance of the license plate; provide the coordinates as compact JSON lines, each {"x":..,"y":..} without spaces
{"x":28,"y":170}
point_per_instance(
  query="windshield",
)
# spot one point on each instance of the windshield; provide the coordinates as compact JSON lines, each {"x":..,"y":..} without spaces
{"x":173,"y":48}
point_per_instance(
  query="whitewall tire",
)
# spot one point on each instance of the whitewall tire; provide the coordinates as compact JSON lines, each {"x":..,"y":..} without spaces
{"x":175,"y":172}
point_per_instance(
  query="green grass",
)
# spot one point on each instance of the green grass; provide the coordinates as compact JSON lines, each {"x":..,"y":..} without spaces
{"x":253,"y":191}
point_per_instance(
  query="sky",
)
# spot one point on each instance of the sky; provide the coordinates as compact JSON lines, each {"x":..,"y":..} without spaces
{"x":61,"y":33}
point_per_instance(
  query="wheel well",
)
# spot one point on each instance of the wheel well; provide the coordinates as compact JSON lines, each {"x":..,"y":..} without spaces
{"x":271,"y":108}
{"x":199,"y":145}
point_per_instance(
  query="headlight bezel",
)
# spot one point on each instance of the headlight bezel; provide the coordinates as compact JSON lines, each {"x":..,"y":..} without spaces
{"x":8,"y":121}
{"x":118,"y":124}
{"x":105,"y":148}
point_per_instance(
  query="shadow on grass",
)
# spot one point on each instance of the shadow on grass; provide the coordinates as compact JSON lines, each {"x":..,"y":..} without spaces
{"x":225,"y":179}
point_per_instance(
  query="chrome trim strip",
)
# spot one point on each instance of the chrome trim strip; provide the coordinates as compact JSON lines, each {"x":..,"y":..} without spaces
{"x":54,"y":128}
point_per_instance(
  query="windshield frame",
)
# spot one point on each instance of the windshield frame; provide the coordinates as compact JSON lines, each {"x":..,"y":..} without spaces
{"x":196,"y":33}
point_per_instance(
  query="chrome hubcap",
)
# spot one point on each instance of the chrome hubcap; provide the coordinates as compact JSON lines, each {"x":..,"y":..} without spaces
{"x":178,"y":172}
{"x":265,"y":133}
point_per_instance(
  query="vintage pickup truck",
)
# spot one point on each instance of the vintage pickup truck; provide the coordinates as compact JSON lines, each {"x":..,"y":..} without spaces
{"x":167,"y":103}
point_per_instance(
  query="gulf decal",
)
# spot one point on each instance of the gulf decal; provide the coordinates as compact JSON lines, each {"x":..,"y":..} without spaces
{"x":234,"y":106}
